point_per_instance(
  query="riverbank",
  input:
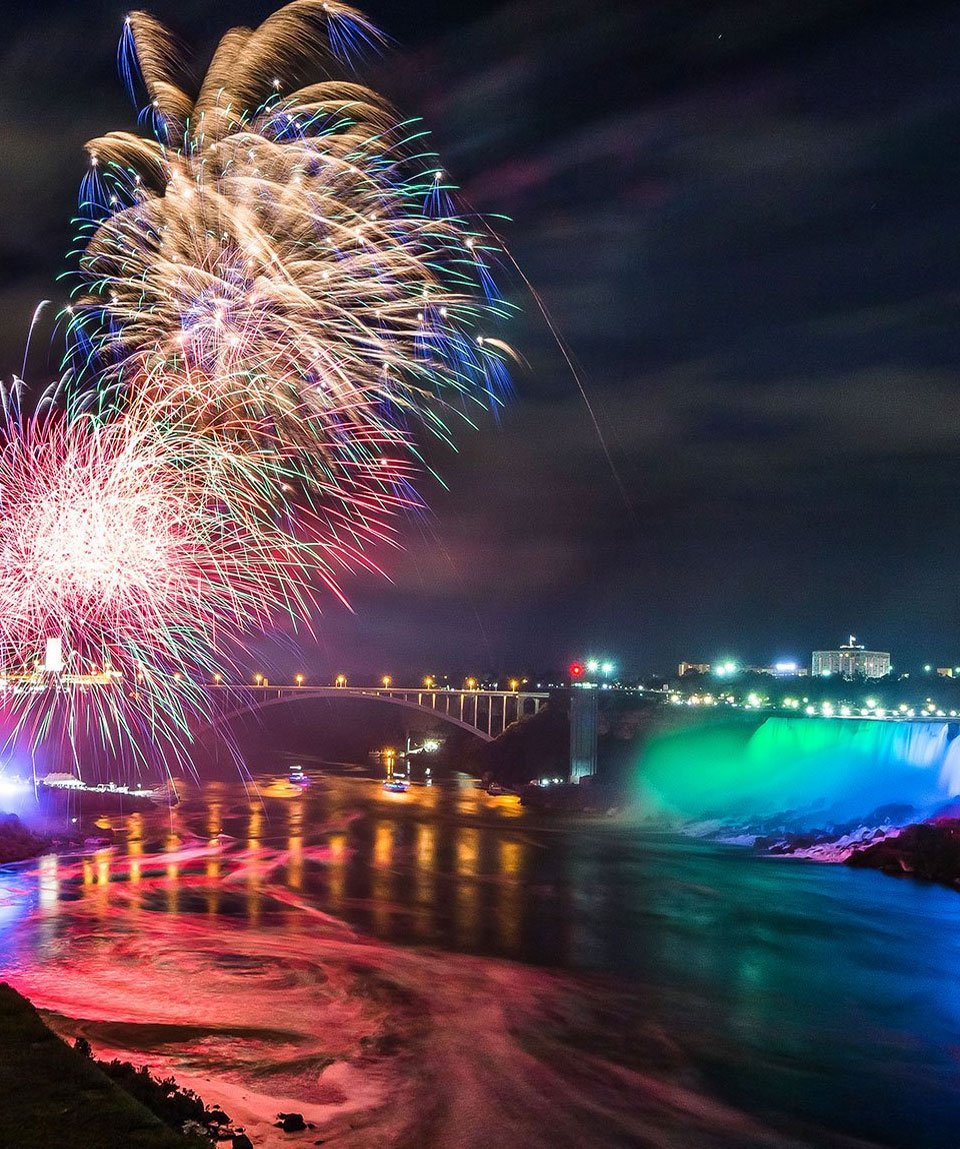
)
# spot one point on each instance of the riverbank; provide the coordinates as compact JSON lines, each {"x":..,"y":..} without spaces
{"x":53,"y":1095}
{"x":18,"y":843}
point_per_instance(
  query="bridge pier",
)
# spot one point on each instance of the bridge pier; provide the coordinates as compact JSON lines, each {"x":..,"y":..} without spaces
{"x":583,"y":733}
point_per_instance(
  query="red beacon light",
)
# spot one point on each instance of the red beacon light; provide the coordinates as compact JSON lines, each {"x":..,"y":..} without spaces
{"x":576,"y":670}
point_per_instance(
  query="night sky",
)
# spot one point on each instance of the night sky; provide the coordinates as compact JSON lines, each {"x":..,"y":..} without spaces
{"x":744,"y":219}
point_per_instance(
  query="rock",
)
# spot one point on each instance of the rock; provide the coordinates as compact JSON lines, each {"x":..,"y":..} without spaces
{"x":929,"y":851}
{"x":292,"y":1122}
{"x":216,"y":1116}
{"x":242,"y":1141}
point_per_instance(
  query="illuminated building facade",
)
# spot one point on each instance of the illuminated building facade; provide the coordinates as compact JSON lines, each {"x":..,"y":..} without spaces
{"x":851,"y":660}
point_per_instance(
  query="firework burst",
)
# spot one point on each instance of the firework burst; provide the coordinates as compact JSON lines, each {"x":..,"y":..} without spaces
{"x":277,"y":305}
{"x":282,"y":264}
{"x":113,"y":545}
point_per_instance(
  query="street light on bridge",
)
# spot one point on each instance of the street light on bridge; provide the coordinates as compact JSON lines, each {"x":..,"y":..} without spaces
{"x":340,"y":680}
{"x":386,"y":680}
{"x":258,"y":680}
{"x":514,"y":684}
{"x":428,"y":681}
{"x":217,"y":679}
{"x":471,"y":684}
{"x":299,"y":680}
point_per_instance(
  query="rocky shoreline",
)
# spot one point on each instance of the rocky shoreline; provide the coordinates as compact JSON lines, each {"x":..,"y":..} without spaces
{"x":181,"y":1109}
{"x":889,"y":839}
{"x":885,"y":840}
{"x":928,"y":851}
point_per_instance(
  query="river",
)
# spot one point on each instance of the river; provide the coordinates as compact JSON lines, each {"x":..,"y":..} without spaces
{"x":443,"y":967}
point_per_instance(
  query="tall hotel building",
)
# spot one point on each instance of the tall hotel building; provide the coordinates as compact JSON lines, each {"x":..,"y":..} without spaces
{"x":850,"y":661}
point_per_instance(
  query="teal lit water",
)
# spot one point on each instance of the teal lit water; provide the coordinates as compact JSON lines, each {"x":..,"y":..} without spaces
{"x":612,"y":973}
{"x":808,"y":772}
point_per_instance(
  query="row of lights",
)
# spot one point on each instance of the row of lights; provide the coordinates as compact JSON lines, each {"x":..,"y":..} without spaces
{"x":828,"y":709}
{"x":429,"y":681}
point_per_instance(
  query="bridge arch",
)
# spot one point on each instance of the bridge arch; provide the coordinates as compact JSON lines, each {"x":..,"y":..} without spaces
{"x":253,"y":699}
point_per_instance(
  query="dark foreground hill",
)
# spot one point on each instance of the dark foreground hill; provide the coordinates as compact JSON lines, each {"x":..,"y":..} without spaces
{"x":54,"y":1096}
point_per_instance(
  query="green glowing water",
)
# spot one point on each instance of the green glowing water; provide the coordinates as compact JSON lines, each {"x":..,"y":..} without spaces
{"x":820,"y":770}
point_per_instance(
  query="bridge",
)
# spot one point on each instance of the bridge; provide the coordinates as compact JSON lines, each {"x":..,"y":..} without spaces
{"x":485,"y":713}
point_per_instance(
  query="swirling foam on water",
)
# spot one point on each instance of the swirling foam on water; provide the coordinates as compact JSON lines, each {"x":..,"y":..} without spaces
{"x":376,"y":1044}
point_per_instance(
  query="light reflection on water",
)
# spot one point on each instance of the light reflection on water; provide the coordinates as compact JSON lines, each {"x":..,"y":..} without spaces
{"x":784,"y":988}
{"x":444,"y":865}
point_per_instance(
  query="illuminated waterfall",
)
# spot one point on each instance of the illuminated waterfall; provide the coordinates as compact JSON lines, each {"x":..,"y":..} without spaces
{"x":811,"y":772}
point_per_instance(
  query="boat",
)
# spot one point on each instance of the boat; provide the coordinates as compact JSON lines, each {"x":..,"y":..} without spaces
{"x":297,"y":776}
{"x":164,"y":795}
{"x":396,"y":786}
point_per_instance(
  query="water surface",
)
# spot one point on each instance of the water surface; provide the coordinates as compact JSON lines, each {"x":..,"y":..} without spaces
{"x":442,"y":967}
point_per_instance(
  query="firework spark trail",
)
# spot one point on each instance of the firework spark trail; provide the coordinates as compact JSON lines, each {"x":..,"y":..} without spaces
{"x":276,"y":306}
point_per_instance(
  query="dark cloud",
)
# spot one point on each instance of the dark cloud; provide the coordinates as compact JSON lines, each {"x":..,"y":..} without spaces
{"x":742,"y":217}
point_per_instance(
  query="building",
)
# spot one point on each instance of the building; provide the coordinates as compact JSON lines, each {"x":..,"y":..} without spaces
{"x":693,"y":668}
{"x":824,"y":663}
{"x":850,"y":661}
